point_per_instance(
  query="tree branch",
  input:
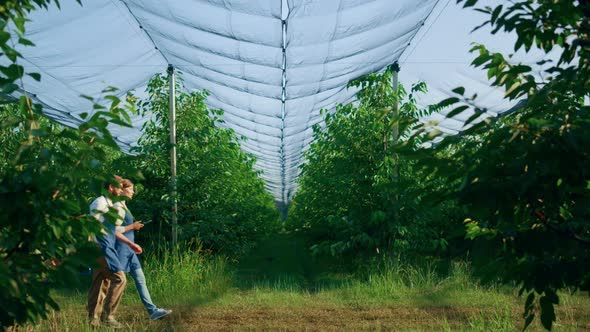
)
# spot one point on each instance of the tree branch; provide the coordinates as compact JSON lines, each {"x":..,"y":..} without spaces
{"x":551,"y":226}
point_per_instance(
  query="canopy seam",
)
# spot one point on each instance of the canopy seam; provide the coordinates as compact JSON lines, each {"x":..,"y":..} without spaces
{"x":283,"y":95}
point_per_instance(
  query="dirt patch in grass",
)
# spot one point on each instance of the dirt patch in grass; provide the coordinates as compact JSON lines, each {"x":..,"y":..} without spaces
{"x":318,"y":319}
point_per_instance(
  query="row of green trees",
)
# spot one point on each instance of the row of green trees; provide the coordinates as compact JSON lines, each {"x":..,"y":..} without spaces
{"x":222,"y":203}
{"x":516,"y":189}
{"x":358,"y":196}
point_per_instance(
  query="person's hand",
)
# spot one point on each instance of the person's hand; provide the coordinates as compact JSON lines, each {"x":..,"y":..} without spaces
{"x":137,"y":225}
{"x":136,"y":248}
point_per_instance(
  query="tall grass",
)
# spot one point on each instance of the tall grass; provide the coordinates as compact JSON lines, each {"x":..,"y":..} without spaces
{"x":396,"y":283}
{"x":186,"y":277}
{"x":190,"y":282}
{"x":175,"y":279}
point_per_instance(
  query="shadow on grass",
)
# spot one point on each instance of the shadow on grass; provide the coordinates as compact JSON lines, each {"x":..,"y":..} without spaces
{"x":284,"y":263}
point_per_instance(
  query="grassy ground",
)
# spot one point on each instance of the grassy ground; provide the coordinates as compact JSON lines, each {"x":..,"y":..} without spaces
{"x":279,"y":288}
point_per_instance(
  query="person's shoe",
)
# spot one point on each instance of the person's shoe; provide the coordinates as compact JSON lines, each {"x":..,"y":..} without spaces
{"x":95,"y":323}
{"x":160,"y":313}
{"x":112,"y":323}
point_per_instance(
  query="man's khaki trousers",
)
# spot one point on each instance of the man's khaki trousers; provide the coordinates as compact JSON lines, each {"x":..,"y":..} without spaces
{"x":105,"y":293}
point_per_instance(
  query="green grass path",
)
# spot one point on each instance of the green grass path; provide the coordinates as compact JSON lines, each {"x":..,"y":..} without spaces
{"x":279,"y":287}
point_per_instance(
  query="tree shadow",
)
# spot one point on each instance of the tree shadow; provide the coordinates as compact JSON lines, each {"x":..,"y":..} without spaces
{"x":283,"y":263}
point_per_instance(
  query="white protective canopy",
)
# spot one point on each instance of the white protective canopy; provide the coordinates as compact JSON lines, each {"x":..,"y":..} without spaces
{"x":271,"y":65}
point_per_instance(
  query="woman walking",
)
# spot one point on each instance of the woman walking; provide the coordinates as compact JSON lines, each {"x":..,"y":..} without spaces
{"x":129,"y":259}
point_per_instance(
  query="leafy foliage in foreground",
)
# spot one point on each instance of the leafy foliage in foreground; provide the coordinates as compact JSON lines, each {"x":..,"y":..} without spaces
{"x":222,"y":203}
{"x":44,"y":223}
{"x":356,"y":196}
{"x":526,"y":180}
{"x":45,"y":173}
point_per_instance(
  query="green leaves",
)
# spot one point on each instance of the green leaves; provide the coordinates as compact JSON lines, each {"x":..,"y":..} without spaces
{"x":9,"y":88}
{"x":529,"y":307}
{"x":447,"y":102}
{"x":496,"y":14}
{"x":357,"y":193}
{"x":468,"y":3}
{"x":457,"y":111}
{"x":35,"y":76}
{"x":47,"y":171}
{"x":12,"y":70}
{"x":46,"y":174}
{"x":530,"y":199}
{"x":4,"y":36}
{"x":547,"y":303}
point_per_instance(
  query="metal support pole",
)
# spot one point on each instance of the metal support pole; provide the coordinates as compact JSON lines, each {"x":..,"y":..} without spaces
{"x":395,"y":129}
{"x":395,"y":135}
{"x":172,"y":106}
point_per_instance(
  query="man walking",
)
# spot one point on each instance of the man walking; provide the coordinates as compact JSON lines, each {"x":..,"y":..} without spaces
{"x":108,"y":281}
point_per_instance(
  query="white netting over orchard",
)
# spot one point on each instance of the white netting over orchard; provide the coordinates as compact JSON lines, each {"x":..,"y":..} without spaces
{"x":271,"y":65}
